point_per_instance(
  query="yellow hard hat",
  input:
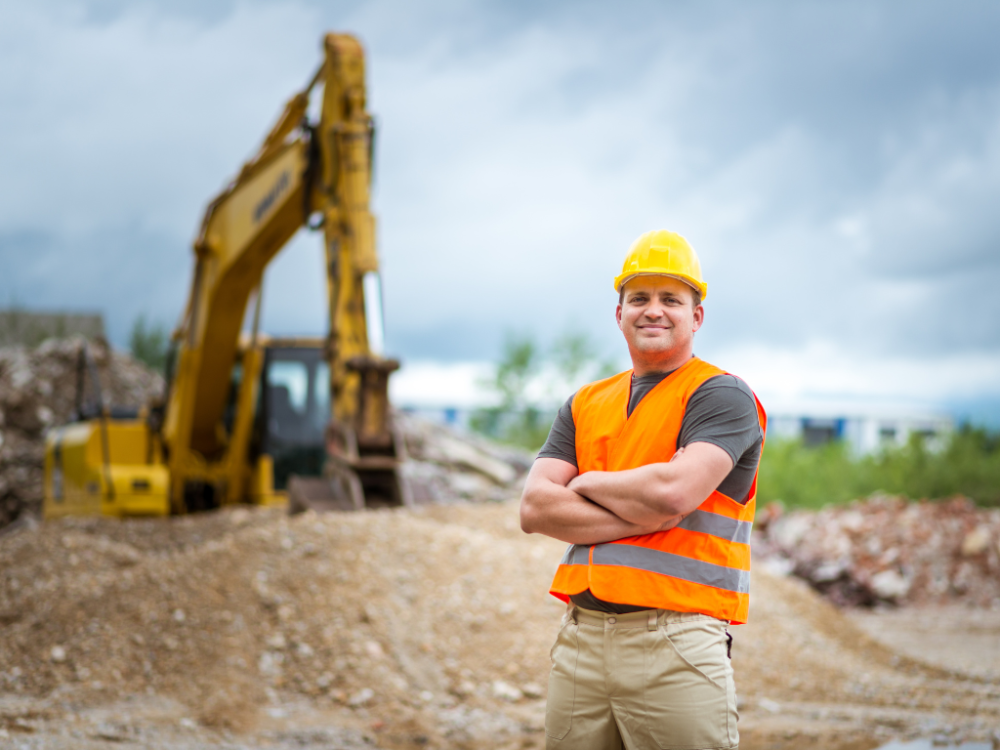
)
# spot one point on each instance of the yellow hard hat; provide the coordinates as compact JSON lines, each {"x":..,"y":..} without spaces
{"x":662,"y":253}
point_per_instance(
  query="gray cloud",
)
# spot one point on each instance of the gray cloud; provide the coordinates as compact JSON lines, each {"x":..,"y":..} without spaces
{"x":836,"y":165}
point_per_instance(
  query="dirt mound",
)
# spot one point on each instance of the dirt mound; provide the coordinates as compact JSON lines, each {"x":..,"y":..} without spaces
{"x":386,"y":610}
{"x":38,"y":389}
{"x":888,"y":550}
{"x":431,"y":625}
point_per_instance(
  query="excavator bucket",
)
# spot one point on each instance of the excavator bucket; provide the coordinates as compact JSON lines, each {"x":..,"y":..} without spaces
{"x":362,"y":469}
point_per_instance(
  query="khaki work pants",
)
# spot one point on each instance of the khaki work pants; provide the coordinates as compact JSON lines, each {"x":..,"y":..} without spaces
{"x":650,"y":680}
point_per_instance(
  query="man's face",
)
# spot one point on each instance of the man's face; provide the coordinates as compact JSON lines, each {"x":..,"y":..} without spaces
{"x":658,"y":319}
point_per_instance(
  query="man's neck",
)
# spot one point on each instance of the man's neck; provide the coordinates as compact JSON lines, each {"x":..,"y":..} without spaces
{"x":641,"y":368}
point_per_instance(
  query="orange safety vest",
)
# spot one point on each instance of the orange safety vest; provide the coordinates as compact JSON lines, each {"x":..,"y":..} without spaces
{"x":702,"y":564}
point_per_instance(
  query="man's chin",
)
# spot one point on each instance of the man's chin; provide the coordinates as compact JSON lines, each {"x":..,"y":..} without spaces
{"x":654,"y":347}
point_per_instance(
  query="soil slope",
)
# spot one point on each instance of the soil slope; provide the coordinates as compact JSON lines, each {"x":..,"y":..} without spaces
{"x":407,"y":628}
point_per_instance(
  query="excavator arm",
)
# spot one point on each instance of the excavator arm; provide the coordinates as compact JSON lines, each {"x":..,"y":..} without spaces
{"x":303,"y":174}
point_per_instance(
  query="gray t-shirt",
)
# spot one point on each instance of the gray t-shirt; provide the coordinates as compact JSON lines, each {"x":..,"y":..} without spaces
{"x":722,"y":411}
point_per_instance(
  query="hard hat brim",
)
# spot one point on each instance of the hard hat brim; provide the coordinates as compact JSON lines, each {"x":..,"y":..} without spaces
{"x":622,"y":280}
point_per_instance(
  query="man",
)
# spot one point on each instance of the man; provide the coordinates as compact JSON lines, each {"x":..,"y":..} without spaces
{"x":650,"y":475}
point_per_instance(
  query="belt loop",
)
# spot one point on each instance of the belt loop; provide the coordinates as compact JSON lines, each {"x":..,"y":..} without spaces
{"x":651,"y":624}
{"x":573,"y":611}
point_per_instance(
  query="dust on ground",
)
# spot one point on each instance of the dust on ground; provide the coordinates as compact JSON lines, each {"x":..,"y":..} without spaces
{"x":409,"y":628}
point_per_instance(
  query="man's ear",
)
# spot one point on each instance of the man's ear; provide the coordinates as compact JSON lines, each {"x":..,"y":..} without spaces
{"x":618,"y":316}
{"x":699,"y":317}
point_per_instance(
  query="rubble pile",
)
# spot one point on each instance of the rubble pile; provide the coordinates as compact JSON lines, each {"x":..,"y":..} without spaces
{"x":443,"y":466}
{"x":886,"y":550}
{"x":38,"y":389}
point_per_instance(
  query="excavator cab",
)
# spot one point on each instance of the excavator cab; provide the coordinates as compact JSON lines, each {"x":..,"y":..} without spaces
{"x":293,"y":410}
{"x":300,"y":455}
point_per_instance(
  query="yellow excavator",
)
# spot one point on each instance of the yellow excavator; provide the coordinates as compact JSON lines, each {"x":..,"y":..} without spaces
{"x":247,"y":418}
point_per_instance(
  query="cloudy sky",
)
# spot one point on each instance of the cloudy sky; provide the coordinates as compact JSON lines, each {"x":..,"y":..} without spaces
{"x":834,"y":164}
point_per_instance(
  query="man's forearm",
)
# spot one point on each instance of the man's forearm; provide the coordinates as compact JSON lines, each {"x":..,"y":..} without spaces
{"x":563,"y":514}
{"x":639,"y":496}
{"x":661,"y":492}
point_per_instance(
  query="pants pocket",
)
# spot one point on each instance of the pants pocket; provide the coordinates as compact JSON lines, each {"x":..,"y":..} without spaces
{"x":703,"y":646}
{"x":690,"y":695}
{"x":562,"y":682}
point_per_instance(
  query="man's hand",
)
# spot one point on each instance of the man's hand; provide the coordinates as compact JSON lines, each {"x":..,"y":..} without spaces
{"x":658,"y":494}
{"x":549,"y":507}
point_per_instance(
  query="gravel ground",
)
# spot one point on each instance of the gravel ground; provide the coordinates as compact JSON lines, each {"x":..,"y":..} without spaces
{"x":954,"y":637}
{"x":412,"y":628}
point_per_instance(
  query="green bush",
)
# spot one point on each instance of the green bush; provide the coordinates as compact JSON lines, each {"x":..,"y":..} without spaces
{"x":800,"y":476}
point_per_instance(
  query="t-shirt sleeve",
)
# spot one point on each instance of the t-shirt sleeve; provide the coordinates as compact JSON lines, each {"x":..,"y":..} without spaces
{"x":561,"y":442}
{"x":723,"y":412}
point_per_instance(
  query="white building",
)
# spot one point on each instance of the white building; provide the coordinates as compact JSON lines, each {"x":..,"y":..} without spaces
{"x":866,"y":426}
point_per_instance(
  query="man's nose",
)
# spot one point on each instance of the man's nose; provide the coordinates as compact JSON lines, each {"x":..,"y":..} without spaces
{"x":654,"y":311}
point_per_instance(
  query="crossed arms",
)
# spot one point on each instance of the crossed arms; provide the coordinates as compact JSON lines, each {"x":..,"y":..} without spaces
{"x":601,"y":506}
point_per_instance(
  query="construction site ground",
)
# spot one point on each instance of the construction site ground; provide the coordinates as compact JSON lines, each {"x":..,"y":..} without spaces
{"x":413,"y":628}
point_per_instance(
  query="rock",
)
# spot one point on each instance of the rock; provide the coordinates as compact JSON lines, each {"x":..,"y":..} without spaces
{"x":464,"y":688}
{"x":772,"y":707}
{"x":506,"y":691}
{"x":890,"y":585}
{"x":976,"y":541}
{"x":453,"y":451}
{"x":324,"y":681}
{"x":789,"y":530}
{"x":361,"y":697}
{"x":269,"y":663}
{"x":57,"y":654}
{"x":830,"y":571}
{"x":467,"y":485}
{"x":531,"y":690}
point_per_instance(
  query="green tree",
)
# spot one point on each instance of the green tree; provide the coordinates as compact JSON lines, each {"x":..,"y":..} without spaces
{"x":148,"y":343}
{"x":518,"y":364}
{"x":515,"y":419}
{"x":576,"y":359}
{"x":518,"y":418}
{"x":573,"y":354}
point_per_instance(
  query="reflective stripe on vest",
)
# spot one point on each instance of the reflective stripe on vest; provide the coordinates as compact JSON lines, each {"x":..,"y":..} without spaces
{"x":711,"y":523}
{"x":701,"y":565}
{"x":667,"y":563}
